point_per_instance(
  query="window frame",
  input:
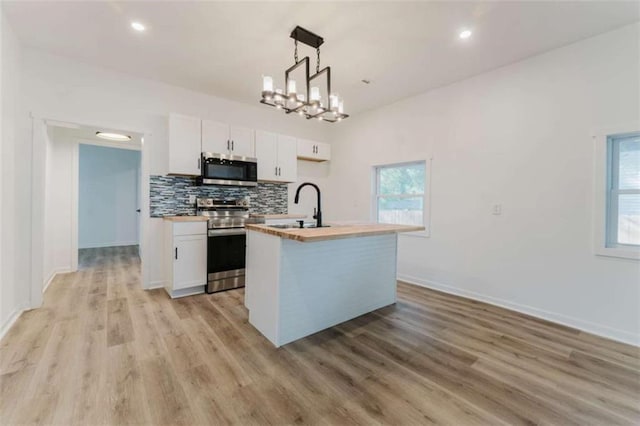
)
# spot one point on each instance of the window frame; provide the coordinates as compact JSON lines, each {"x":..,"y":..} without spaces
{"x":426,"y":195}
{"x":606,"y":195}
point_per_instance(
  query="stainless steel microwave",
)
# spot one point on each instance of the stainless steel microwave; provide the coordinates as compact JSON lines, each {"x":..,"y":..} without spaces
{"x":221,"y":169}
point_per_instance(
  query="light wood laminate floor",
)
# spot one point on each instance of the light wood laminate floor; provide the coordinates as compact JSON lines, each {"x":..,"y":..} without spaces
{"x":103,"y":351}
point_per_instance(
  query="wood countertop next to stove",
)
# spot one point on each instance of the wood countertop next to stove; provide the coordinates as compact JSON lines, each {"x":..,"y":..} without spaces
{"x":278,"y":216}
{"x":186,"y":218}
{"x":333,"y":232}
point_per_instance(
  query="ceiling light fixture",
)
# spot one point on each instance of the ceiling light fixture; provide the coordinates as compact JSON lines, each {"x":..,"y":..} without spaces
{"x":113,"y":136}
{"x":465,"y":34}
{"x":138,"y":26}
{"x":309,"y":102}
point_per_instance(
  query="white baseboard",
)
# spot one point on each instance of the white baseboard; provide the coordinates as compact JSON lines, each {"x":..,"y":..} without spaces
{"x":11,"y":320}
{"x":589,"y":327}
{"x":112,"y":244}
{"x":155,"y":284}
{"x":53,"y":275}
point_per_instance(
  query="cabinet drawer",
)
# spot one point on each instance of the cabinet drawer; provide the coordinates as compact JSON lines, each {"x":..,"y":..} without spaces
{"x":189,"y":228}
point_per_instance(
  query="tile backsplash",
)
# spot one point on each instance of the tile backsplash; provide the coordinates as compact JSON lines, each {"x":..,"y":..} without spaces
{"x":169,"y":195}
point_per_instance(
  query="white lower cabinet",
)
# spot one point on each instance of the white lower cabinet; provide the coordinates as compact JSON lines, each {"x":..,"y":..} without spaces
{"x":186,"y":257}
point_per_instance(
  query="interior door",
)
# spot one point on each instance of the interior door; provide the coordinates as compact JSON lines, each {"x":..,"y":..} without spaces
{"x":215,"y":137}
{"x":267,"y":155}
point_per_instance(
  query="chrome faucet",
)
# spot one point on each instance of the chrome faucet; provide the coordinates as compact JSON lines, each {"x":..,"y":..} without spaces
{"x":317,"y":212}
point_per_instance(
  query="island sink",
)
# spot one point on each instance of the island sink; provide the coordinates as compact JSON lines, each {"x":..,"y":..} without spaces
{"x":296,"y":226}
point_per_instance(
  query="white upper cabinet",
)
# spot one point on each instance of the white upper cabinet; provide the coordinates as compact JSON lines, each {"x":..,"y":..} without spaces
{"x":287,"y":159}
{"x":267,"y":155}
{"x":276,"y":156}
{"x":215,"y":137}
{"x":221,"y":138}
{"x":184,"y":145}
{"x":314,"y":151}
{"x":242,"y":141}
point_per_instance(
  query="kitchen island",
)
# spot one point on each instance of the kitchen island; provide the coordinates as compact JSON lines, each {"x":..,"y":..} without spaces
{"x":301,"y":281}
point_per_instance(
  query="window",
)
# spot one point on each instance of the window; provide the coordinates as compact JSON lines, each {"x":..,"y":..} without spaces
{"x":623,"y":191}
{"x":401,"y":193}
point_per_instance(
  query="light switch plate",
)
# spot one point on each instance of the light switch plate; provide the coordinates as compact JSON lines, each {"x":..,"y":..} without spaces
{"x":192,"y":199}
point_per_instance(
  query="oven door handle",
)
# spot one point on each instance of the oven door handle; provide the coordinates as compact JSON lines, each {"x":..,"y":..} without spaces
{"x":220,"y":232}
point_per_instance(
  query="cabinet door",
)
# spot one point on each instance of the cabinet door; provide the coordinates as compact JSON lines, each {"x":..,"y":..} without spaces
{"x":287,"y":159}
{"x":267,"y":155}
{"x":242,"y":141}
{"x":215,"y":137}
{"x":323,"y":151}
{"x":189,"y":261}
{"x":314,"y":151}
{"x":306,"y":149}
{"x":184,"y":145}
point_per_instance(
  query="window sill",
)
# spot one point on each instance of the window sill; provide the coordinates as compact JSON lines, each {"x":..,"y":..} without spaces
{"x":623,"y":253}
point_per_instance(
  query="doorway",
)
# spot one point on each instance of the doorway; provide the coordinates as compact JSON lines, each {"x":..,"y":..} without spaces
{"x":92,"y":193}
{"x":108,"y":203}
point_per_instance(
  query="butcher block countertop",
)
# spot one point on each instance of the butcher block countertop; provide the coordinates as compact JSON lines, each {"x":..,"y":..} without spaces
{"x":278,"y":216}
{"x":186,"y":218}
{"x":334,"y":232}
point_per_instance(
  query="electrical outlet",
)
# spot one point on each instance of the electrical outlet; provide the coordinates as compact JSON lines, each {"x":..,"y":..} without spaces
{"x":192,"y":199}
{"x":496,"y":209}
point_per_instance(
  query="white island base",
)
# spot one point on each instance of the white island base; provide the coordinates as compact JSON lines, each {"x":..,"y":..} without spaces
{"x":294,"y":289}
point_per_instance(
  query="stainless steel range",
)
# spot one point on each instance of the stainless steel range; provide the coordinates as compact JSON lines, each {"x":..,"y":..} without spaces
{"x":226,"y":242}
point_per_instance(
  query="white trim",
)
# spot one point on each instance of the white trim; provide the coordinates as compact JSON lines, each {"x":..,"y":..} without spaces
{"x":114,"y":244}
{"x":38,"y":191}
{"x":144,"y":219}
{"x":12,"y":320}
{"x":75,"y":190}
{"x":426,"y":196}
{"x":586,"y":326}
{"x":53,"y":275}
{"x":600,"y":165}
{"x":155,"y":285}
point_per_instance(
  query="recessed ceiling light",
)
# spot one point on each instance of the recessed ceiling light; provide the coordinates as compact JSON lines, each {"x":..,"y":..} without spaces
{"x":113,"y":136}
{"x":465,"y":34}
{"x":137,"y":26}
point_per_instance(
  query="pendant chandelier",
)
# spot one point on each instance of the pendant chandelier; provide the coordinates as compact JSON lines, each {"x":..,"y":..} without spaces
{"x":308,"y":102}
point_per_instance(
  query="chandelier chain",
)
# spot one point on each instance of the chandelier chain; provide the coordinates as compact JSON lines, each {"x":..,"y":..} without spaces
{"x":295,"y":51}
{"x":318,"y":60}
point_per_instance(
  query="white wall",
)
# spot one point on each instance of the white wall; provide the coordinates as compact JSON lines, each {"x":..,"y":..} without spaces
{"x":15,"y":207}
{"x":108,"y":196}
{"x":309,"y":171}
{"x":520,"y":136}
{"x":15,"y":231}
{"x":59,"y":88}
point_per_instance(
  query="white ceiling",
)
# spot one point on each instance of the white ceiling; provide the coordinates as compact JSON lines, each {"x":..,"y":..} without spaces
{"x":223,"y":48}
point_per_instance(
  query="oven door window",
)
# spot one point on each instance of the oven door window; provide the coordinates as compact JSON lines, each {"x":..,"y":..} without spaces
{"x":227,"y":171}
{"x":226,"y":253}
